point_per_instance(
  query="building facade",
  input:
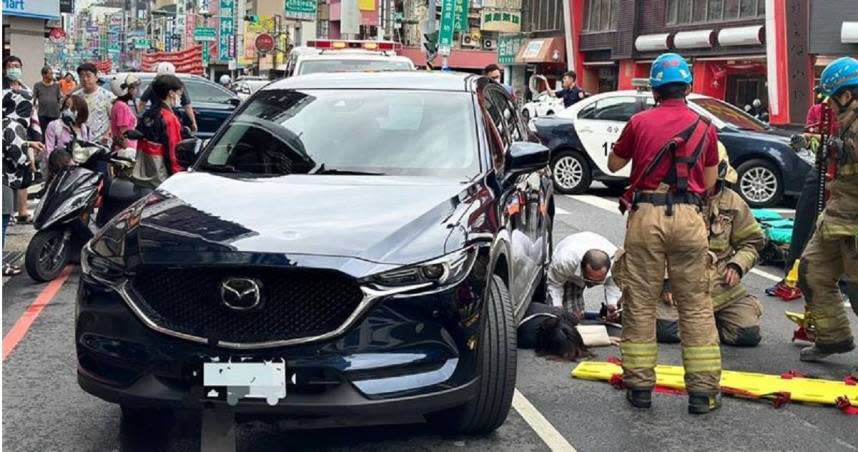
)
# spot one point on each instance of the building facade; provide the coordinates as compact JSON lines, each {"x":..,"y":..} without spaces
{"x":740,"y":50}
{"x":24,"y":28}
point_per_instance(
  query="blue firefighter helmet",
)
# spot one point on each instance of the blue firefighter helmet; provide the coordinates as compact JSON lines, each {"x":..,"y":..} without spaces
{"x":669,"y":68}
{"x":841,"y":73}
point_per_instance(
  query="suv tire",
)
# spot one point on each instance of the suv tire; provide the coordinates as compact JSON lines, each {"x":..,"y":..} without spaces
{"x":760,"y":183}
{"x":496,"y":364}
{"x":570,"y":172}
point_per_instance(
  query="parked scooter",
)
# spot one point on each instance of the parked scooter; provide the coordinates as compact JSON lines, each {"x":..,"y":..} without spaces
{"x":63,"y":218}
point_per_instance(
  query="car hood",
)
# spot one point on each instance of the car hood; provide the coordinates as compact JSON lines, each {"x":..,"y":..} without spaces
{"x":380,"y":219}
{"x":773,"y":135}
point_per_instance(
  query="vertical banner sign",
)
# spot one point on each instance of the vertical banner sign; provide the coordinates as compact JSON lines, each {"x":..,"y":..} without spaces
{"x":180,"y":25}
{"x":206,"y":56}
{"x":448,"y":22}
{"x":462,"y":23}
{"x":190,"y":25}
{"x":227,"y":27}
{"x":349,"y":17}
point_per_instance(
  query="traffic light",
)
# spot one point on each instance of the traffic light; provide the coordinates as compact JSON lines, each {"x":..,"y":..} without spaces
{"x":431,"y":45}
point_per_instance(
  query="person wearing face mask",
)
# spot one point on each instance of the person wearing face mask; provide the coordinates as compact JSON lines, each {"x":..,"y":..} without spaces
{"x":61,"y":132}
{"x":162,"y":131}
{"x":832,"y":251}
{"x":22,"y":138}
{"x":582,"y":261}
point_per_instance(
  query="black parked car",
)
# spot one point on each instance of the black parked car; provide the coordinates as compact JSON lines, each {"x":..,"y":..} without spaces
{"x":376,"y":236}
{"x":581,"y":136}
{"x":212,"y":103}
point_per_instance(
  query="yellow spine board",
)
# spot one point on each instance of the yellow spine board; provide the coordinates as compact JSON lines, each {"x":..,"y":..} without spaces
{"x":808,"y":390}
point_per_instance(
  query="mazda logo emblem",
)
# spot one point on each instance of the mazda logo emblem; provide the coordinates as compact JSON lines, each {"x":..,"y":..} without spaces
{"x":241,"y":294}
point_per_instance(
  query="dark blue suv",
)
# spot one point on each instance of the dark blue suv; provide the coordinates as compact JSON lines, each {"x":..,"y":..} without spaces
{"x":348,"y":246}
{"x":211,"y":102}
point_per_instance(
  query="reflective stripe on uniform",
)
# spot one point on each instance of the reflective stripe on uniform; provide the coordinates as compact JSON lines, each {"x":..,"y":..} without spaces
{"x":639,"y":356}
{"x":850,"y":169}
{"x":718,"y":245}
{"x":748,"y":231}
{"x":837,"y":230}
{"x":704,"y":358}
{"x":730,"y":294}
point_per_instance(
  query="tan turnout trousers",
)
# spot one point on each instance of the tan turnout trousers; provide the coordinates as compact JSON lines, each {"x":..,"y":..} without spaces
{"x":679,"y":242}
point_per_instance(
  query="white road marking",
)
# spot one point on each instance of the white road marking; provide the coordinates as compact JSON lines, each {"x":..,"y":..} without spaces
{"x":611,"y":207}
{"x":549,"y":435}
{"x":560,"y":211}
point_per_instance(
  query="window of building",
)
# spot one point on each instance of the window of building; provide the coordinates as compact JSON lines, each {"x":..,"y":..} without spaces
{"x":699,"y":11}
{"x":542,"y":15}
{"x":601,"y":15}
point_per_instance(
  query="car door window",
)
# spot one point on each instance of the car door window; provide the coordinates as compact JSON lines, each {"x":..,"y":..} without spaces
{"x":496,"y":114}
{"x":588,"y":111}
{"x":205,"y":92}
{"x":511,"y":122}
{"x":620,"y":108}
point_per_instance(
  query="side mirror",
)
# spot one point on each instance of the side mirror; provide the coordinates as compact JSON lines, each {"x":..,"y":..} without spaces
{"x":186,"y":151}
{"x":234,"y":101}
{"x":525,"y":156}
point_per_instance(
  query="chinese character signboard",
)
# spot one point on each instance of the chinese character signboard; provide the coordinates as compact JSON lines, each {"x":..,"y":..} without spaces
{"x":508,"y":21}
{"x":445,"y":31}
{"x":227,"y":30}
{"x":205,"y":34}
{"x":301,"y":9}
{"x":508,"y":46}
{"x":462,"y":16}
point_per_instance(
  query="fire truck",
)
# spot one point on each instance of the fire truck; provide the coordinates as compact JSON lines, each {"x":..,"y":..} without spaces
{"x":346,"y":56}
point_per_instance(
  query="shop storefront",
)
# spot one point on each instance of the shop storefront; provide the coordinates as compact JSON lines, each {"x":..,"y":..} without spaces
{"x":24,"y":33}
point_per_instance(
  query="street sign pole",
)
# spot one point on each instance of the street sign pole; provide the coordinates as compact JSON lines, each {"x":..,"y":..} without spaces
{"x":445,"y":32}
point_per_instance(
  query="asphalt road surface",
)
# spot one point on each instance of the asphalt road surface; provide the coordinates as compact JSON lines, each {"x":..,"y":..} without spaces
{"x":44,"y":409}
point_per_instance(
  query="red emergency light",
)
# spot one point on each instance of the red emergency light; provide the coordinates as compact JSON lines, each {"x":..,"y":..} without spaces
{"x":343,"y":44}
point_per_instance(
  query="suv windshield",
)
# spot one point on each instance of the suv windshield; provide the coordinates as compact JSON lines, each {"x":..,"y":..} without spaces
{"x":730,"y":114}
{"x":349,"y":132}
{"x":352,"y":65}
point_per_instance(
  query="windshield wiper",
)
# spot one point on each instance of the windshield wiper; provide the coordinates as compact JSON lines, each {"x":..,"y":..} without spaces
{"x":322,"y":170}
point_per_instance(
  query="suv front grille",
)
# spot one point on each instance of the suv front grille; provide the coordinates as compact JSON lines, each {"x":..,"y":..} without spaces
{"x":295,"y":303}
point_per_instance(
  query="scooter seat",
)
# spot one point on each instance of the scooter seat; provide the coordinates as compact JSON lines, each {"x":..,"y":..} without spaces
{"x":125,"y":190}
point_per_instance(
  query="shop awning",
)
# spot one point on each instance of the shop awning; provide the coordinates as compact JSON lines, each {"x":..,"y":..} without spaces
{"x":849,"y":33}
{"x":542,"y":50}
{"x":697,"y":39}
{"x":741,"y":36}
{"x":649,"y":43}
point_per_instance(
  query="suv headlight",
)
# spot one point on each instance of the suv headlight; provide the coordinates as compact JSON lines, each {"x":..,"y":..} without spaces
{"x":430,"y":276}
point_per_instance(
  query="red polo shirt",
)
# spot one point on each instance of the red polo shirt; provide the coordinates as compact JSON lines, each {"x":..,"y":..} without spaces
{"x":648,"y":131}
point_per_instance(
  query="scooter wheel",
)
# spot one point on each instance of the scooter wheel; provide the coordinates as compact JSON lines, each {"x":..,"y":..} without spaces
{"x":47,"y":255}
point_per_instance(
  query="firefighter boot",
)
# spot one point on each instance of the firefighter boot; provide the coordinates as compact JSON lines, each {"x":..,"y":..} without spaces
{"x":818,"y":353}
{"x":639,"y":398}
{"x":703,"y":403}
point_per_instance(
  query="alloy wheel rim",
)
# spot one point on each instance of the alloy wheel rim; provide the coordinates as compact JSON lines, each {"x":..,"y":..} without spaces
{"x":48,"y":257}
{"x":568,"y":172}
{"x":759,"y":184}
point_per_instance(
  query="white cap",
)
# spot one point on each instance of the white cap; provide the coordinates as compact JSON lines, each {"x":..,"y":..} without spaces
{"x":120,"y":85}
{"x":165,"y":67}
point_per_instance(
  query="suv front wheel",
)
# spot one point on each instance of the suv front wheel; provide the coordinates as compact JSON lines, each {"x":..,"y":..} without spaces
{"x":759,"y":183}
{"x":496,"y":365}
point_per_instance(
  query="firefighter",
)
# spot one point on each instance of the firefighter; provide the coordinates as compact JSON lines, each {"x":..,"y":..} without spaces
{"x":736,"y":239}
{"x":833,"y":249}
{"x":674,"y":157}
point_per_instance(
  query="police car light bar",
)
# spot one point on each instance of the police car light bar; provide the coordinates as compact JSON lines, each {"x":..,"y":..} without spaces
{"x":342,"y":44}
{"x":641,"y":84}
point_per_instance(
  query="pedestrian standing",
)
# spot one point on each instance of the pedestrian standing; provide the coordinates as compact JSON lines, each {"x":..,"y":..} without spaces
{"x":674,"y":155}
{"x":166,"y":68}
{"x":493,"y":71}
{"x":99,"y":100}
{"x":122,"y":117}
{"x":47,"y":97}
{"x":21,"y":128}
{"x":570,"y":93}
{"x":162,"y":131}
{"x":832,"y":251}
{"x":68,"y":84}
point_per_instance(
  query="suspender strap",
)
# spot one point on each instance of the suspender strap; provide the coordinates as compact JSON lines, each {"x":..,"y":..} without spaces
{"x":683,"y":164}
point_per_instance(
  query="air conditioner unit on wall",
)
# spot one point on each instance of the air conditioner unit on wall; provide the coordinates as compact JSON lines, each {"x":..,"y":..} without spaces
{"x":489,"y":44}
{"x":469,"y":41}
